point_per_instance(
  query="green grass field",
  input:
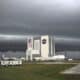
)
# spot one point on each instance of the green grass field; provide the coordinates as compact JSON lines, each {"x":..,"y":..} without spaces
{"x":36,"y":72}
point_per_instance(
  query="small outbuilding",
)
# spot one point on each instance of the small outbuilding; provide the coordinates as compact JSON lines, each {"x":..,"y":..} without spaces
{"x":11,"y":62}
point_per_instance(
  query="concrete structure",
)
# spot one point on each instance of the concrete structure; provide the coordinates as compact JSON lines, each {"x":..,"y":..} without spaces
{"x":41,"y":48}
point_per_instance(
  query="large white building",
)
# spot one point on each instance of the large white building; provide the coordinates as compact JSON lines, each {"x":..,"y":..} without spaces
{"x":41,"y":48}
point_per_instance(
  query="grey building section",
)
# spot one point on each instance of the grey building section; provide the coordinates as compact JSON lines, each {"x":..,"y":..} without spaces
{"x":51,"y":46}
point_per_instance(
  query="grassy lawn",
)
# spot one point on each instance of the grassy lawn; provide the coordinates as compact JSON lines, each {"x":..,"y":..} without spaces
{"x":36,"y":72}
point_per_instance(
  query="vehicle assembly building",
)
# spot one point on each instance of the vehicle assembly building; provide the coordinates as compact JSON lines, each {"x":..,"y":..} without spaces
{"x":41,"y":48}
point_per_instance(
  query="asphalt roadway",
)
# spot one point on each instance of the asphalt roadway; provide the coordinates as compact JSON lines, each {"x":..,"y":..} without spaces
{"x":73,"y":70}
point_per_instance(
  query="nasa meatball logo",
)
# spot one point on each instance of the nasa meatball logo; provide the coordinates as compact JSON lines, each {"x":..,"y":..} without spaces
{"x":44,"y":41}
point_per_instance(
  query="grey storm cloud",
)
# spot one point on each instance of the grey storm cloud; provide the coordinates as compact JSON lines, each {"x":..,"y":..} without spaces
{"x":59,"y":17}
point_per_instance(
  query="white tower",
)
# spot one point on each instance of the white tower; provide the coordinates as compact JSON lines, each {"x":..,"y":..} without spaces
{"x":44,"y":46}
{"x":47,"y":46}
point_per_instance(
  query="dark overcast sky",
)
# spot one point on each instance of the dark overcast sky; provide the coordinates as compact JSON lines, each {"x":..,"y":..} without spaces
{"x":60,"y":17}
{"x":54,"y":17}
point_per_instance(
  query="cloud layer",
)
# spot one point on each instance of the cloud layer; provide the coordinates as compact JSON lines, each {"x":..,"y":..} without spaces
{"x":59,"y":17}
{"x":53,"y":17}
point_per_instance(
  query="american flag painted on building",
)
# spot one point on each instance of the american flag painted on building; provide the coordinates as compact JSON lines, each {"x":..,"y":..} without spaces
{"x":30,"y":43}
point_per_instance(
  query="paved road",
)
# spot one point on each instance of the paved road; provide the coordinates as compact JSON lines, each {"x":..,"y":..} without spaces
{"x":55,"y":63}
{"x":73,"y":70}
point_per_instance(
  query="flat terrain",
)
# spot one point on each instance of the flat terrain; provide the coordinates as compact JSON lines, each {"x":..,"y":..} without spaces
{"x":36,"y":72}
